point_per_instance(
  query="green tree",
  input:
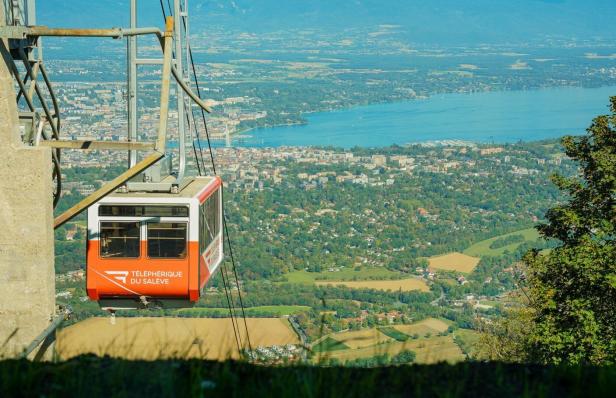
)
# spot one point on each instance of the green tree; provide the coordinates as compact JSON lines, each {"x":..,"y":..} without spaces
{"x":572,"y":289}
{"x":404,"y":357}
{"x":507,"y":338}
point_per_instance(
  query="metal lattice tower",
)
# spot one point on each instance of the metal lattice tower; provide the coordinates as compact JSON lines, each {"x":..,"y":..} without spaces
{"x":42,"y":126}
{"x":186,"y":120}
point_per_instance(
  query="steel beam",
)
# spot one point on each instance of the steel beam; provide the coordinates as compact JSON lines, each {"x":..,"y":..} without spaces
{"x":168,"y":70}
{"x":181,"y":104}
{"x":99,"y":145}
{"x":149,"y":61}
{"x":132,"y":83}
{"x":35,"y":72}
{"x":190,"y":93}
{"x":161,"y":141}
{"x":23,"y":32}
{"x":107,"y":189}
{"x":116,"y":33}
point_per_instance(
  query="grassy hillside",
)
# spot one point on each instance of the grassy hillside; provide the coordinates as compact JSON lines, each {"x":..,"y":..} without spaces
{"x":482,"y":249}
{"x":428,"y":350}
{"x":473,"y":21}
{"x":427,"y":339}
{"x":344,"y":274}
{"x":404,"y":285}
{"x":263,"y":311}
{"x":457,"y":262}
{"x":95,"y":377}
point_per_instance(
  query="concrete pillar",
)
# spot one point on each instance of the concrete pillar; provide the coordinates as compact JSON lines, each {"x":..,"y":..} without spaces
{"x":27,"y":278}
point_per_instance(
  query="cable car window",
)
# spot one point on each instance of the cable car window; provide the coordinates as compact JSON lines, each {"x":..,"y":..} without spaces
{"x":210,"y":219}
{"x":119,"y":239}
{"x":202,"y":245}
{"x":143,"y":211}
{"x":167,"y":240}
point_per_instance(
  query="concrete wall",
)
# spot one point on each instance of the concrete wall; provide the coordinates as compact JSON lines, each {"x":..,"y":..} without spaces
{"x":27,"y":280}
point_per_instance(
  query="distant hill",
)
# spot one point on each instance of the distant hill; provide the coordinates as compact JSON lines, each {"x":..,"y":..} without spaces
{"x":446,"y":22}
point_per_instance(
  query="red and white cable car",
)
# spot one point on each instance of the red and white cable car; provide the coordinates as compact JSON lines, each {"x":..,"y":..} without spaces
{"x":155,"y":249}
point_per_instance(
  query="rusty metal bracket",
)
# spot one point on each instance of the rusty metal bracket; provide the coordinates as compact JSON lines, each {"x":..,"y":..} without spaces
{"x":47,"y":336}
{"x":23,"y":32}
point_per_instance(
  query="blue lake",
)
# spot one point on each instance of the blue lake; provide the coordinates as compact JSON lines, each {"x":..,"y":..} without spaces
{"x":505,"y":116}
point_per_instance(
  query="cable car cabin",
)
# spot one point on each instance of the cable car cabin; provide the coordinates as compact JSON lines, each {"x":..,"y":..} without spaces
{"x":154,"y":249}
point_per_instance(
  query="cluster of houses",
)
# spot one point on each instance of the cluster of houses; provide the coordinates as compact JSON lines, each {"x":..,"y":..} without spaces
{"x":277,"y":354}
{"x":72,"y":276}
{"x":239,"y":171}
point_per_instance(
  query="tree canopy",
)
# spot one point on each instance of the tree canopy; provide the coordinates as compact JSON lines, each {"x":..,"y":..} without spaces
{"x":572,"y":289}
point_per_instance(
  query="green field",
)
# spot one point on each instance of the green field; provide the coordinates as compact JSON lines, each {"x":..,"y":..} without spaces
{"x":429,"y":350}
{"x":329,"y":344}
{"x":394,"y":334}
{"x":467,"y":340}
{"x":429,"y":344}
{"x":345,"y":274}
{"x":482,"y":249}
{"x":266,"y":310}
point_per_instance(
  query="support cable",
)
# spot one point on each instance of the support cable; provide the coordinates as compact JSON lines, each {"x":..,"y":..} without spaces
{"x":227,"y":235}
{"x":231,"y":310}
{"x":193,"y":145}
{"x":239,"y":290}
{"x":162,"y":8}
{"x":199,"y":159}
{"x":226,"y":229}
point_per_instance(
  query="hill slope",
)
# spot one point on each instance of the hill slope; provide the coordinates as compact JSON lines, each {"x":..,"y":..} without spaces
{"x":435,"y":21}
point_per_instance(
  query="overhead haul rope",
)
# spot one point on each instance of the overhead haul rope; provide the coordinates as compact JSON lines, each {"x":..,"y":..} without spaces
{"x":201,"y":168}
{"x":201,"y":171}
{"x":226,"y":229}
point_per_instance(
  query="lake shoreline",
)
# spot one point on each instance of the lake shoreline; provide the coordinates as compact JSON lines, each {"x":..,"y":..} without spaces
{"x":499,"y":116}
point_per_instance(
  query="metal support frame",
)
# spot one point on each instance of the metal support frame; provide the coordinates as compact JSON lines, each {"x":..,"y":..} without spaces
{"x":181,"y":72}
{"x":24,"y":40}
{"x":23,"y":32}
{"x":99,"y":145}
{"x":184,"y":68}
{"x":181,"y":104}
{"x":28,"y":50}
{"x":159,"y":146}
{"x":131,"y":74}
{"x":33,"y":33}
{"x":20,"y":12}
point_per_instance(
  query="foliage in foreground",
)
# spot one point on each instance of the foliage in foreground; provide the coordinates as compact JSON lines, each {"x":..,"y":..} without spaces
{"x":507,"y":338}
{"x":573,"y":288}
{"x":95,"y":377}
{"x":571,"y":313}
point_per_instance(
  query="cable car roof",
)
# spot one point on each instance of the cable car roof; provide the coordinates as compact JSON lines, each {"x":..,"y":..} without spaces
{"x":195,"y":186}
